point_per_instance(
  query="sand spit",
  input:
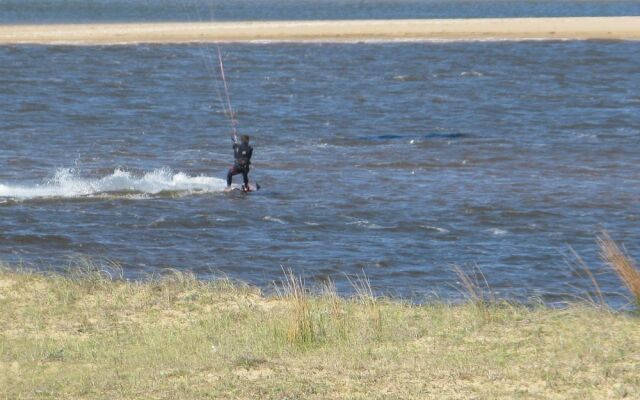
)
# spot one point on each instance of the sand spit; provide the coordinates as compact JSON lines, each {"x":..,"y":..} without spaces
{"x":607,"y":28}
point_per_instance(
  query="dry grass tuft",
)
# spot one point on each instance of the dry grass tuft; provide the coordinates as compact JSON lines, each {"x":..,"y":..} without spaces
{"x":365,"y":294}
{"x":337,"y":313}
{"x":300,"y":327}
{"x":477,"y":289}
{"x":581,"y":269}
{"x":621,"y":263}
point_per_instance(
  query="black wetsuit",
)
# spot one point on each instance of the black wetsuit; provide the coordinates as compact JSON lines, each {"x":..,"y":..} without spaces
{"x":242,"y":154}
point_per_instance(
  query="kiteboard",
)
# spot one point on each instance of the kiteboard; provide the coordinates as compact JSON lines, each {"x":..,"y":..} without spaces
{"x":240,"y":189}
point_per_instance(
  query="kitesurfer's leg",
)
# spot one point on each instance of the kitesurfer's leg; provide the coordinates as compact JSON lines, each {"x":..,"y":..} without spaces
{"x":245,"y":177}
{"x":232,"y":171}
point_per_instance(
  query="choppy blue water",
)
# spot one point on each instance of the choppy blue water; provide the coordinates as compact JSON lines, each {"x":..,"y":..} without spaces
{"x":57,"y":11}
{"x":395,"y":159}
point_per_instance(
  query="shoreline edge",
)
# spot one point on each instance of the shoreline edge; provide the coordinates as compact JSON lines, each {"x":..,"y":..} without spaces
{"x":574,"y":28}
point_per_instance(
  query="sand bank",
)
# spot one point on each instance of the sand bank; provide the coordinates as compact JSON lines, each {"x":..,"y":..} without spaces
{"x":625,"y":28}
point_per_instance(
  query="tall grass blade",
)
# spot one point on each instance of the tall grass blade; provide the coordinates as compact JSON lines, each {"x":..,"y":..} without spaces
{"x":621,"y":263}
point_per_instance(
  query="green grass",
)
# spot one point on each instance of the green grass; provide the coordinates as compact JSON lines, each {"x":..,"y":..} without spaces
{"x":86,"y":336}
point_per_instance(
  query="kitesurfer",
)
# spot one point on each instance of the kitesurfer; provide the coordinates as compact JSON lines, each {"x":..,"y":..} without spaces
{"x":242,"y":159}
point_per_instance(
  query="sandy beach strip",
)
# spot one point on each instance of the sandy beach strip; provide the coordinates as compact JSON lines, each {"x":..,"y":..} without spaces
{"x":607,"y":28}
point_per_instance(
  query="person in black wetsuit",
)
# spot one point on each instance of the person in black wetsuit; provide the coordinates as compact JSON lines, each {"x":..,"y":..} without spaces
{"x":242,"y":153}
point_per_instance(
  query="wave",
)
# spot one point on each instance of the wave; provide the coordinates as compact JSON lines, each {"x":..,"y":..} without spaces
{"x":497,"y":231}
{"x":67,"y":183}
{"x":273,"y":219}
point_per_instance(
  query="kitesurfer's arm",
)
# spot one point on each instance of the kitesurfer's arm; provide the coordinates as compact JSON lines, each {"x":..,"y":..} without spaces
{"x":249,"y":153}
{"x":236,"y":150}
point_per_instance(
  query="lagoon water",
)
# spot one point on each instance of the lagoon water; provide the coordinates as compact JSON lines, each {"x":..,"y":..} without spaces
{"x":393,"y":159}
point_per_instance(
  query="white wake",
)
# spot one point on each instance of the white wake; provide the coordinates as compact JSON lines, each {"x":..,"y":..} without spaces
{"x":67,"y":183}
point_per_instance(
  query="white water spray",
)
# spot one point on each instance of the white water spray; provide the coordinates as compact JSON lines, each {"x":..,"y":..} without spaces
{"x":67,"y":183}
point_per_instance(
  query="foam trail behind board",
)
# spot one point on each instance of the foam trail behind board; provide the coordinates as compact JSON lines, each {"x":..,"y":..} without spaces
{"x":67,"y":183}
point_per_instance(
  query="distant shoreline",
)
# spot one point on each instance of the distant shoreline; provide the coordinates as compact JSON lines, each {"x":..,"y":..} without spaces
{"x":578,"y":28}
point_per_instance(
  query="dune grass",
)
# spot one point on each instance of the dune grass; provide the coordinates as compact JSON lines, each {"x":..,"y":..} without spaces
{"x":89,"y":336}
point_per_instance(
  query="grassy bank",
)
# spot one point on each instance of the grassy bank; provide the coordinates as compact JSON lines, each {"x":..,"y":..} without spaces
{"x":178,"y":338}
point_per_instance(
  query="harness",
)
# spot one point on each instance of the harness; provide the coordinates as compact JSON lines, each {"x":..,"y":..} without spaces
{"x":242,"y":155}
